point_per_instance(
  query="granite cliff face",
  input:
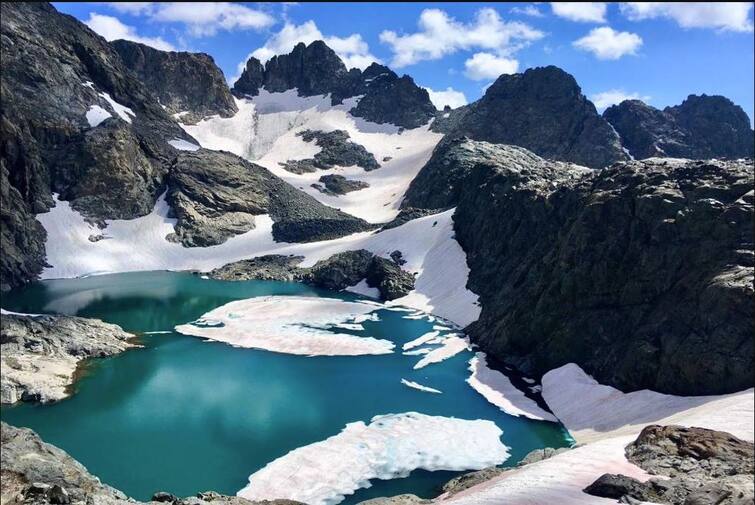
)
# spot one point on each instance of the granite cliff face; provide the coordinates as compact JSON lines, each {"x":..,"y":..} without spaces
{"x":74,"y":121}
{"x":701,"y":127}
{"x":542,"y":110}
{"x":641,"y":273}
{"x":186,"y":83}
{"x":315,"y":69}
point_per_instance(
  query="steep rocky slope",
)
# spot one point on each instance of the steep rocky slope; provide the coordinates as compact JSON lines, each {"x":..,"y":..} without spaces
{"x":641,"y":273}
{"x":187,"y":83}
{"x":315,"y":69}
{"x":75,"y":121}
{"x":216,"y":195}
{"x":40,"y":354}
{"x":543,"y":110}
{"x":701,"y":127}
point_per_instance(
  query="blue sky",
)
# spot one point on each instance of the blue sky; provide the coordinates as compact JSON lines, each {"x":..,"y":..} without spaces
{"x":659,"y":52}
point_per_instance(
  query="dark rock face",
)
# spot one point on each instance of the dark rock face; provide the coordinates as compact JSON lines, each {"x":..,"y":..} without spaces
{"x":704,"y":467}
{"x":181,"y":81}
{"x":542,"y":110}
{"x":701,"y":127}
{"x":38,"y":473}
{"x":392,"y":99}
{"x":54,"y":70}
{"x":337,"y":272}
{"x":640,"y":273}
{"x":338,"y":185}
{"x":317,"y":70}
{"x":336,"y":149}
{"x":22,"y":238}
{"x":215,"y":195}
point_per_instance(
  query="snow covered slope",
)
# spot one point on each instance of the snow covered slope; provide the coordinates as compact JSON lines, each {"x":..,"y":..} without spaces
{"x":264,"y":131}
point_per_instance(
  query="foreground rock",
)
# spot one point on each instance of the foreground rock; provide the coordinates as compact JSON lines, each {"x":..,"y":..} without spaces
{"x":315,"y":69}
{"x":641,"y":273}
{"x":335,"y":150}
{"x":190,"y":84}
{"x":216,"y":195}
{"x":704,"y":467}
{"x":40,"y":354}
{"x":34,"y":472}
{"x":543,"y":110}
{"x":701,"y":127}
{"x":336,"y":273}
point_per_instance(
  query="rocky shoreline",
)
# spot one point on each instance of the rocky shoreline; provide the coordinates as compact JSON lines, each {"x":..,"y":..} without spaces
{"x":41,"y":354}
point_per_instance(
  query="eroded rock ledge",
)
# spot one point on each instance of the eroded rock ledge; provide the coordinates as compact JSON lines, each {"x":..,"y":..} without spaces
{"x":337,"y":272}
{"x":40,"y":354}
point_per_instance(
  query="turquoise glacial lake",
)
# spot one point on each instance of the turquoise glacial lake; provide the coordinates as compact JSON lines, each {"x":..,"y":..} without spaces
{"x":185,"y":415}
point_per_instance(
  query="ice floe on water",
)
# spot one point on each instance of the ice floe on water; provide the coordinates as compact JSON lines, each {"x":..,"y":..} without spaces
{"x":420,"y":387}
{"x":422,"y":339}
{"x":450,"y":347}
{"x":289,"y":324}
{"x":498,"y":390}
{"x":390,"y":446}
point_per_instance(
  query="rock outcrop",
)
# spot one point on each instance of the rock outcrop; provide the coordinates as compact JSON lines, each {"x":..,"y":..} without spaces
{"x":315,"y":69}
{"x":334,"y":184}
{"x":542,"y":110}
{"x":40,"y":354}
{"x":37,"y":473}
{"x":74,"y":121}
{"x":335,"y":150}
{"x":190,"y":84}
{"x":701,"y":127}
{"x":641,"y":273}
{"x":697,"y":467}
{"x":336,"y":273}
{"x":215,"y":195}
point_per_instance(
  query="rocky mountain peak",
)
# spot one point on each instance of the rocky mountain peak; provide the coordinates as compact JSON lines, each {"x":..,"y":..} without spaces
{"x":701,"y":127}
{"x":543,"y":110}
{"x":316,"y":69}
{"x":187,"y":83}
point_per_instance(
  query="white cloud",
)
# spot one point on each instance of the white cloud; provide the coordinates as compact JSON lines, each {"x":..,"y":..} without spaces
{"x":201,"y":18}
{"x":440,"y":35}
{"x":586,"y":12}
{"x":449,"y":97}
{"x":608,"y":44}
{"x":353,"y":50}
{"x":489,"y":66}
{"x":732,"y":16}
{"x":112,"y":29}
{"x":527,"y":10}
{"x":605,"y":99}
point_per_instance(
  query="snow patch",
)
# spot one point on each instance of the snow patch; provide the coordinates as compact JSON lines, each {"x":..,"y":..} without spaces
{"x":498,"y":390}
{"x":96,"y":114}
{"x":289,"y":324}
{"x":419,"y":387}
{"x":391,"y":446}
{"x":119,"y":109}
{"x":361,"y":288}
{"x":183,"y":145}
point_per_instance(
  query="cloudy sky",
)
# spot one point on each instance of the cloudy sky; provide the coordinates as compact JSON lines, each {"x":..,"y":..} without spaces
{"x":658,"y":52}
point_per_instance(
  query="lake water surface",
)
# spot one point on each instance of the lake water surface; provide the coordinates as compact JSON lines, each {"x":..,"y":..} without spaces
{"x":185,"y":415}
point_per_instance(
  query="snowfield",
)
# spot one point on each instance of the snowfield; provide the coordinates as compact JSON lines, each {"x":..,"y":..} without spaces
{"x":390,"y":446}
{"x":265,"y":131}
